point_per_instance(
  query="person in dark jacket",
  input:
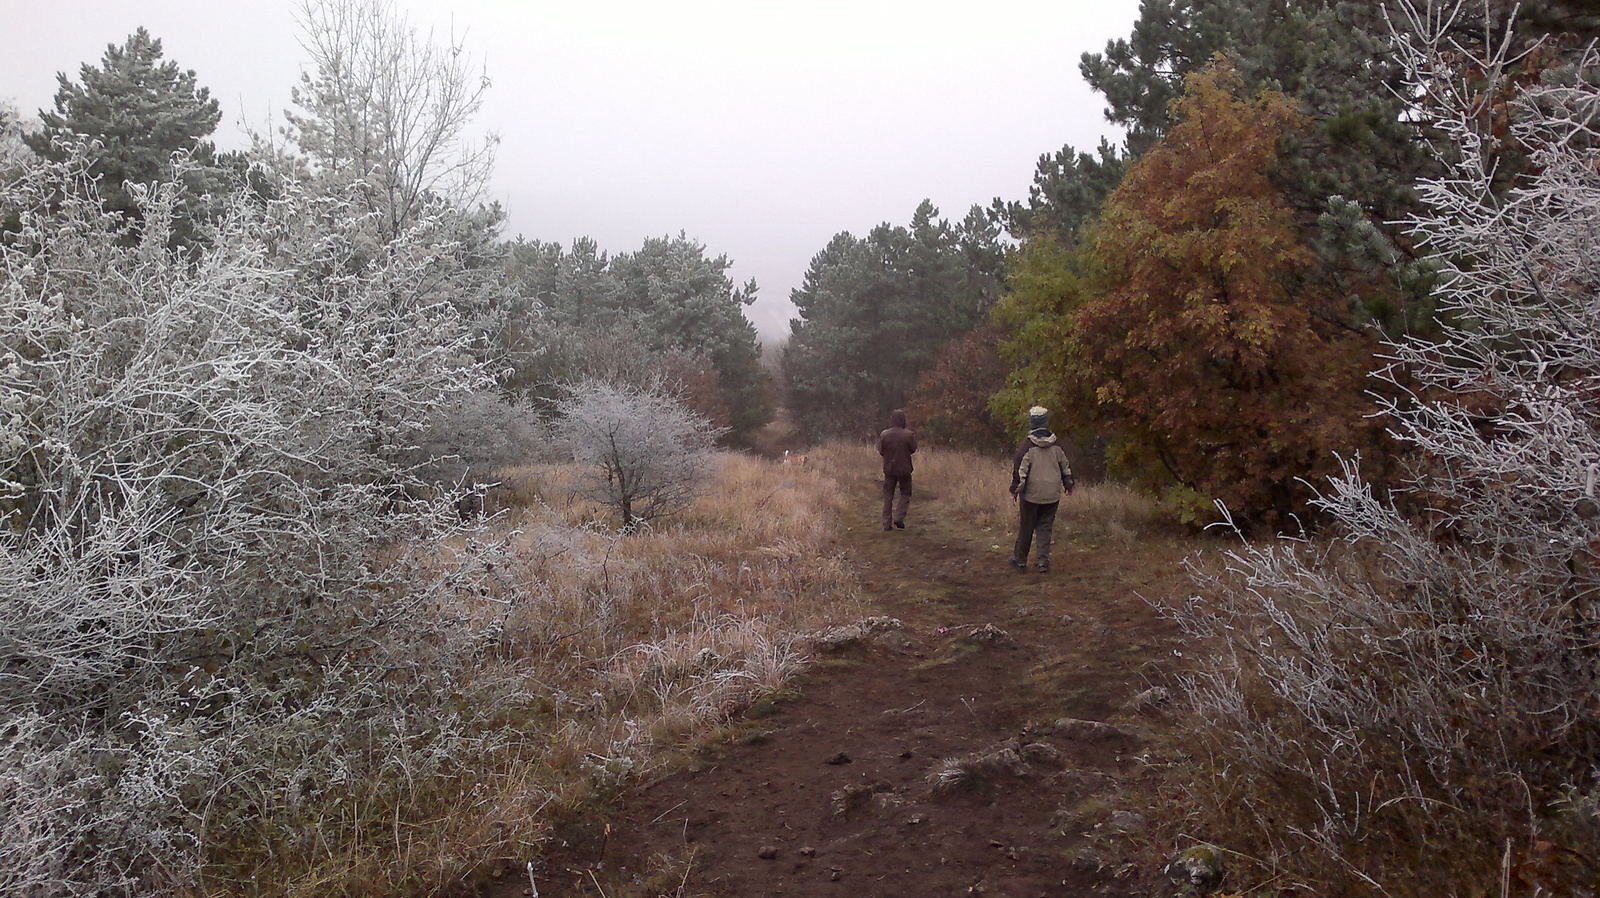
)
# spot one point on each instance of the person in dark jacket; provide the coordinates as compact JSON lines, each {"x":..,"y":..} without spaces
{"x":1039,"y":476}
{"x":896,"y":445}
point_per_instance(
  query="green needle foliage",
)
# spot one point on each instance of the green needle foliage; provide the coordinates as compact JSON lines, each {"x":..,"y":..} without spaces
{"x":876,"y":312}
{"x":136,"y":111}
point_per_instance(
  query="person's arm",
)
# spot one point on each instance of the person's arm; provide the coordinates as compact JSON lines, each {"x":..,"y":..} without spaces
{"x":1067,"y":481}
{"x":1021,"y":478}
{"x":1016,"y":467}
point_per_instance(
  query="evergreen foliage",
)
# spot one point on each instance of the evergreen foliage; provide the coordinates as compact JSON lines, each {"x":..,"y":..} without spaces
{"x":1354,"y":159}
{"x":668,"y":309}
{"x":135,"y":111}
{"x":875,"y":312}
{"x":1067,"y":191}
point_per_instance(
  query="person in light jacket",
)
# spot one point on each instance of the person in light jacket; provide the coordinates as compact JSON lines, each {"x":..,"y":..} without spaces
{"x":1039,"y":476}
{"x":896,"y":445}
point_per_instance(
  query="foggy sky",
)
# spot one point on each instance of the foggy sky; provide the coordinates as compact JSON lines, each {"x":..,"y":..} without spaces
{"x":760,"y":129}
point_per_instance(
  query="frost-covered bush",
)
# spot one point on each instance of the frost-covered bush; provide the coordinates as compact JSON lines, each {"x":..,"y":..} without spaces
{"x":1411,"y":707}
{"x":644,"y":452}
{"x":471,"y":436}
{"x":214,"y":538}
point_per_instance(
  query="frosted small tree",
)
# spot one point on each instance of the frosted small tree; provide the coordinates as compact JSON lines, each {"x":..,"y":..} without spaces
{"x":1411,"y":709}
{"x":644,"y":453}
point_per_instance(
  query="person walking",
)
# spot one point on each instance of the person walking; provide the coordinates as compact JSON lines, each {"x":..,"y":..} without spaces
{"x":1039,"y":476}
{"x":896,"y":445}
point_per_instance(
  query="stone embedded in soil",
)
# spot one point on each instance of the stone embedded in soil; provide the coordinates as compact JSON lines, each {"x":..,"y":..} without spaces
{"x":1199,"y":868}
{"x":808,"y":851}
{"x":1088,"y":730}
{"x":1149,"y":700}
{"x":1123,"y":822}
{"x":1087,"y":861}
{"x":1064,"y":818}
{"x":840,"y":758}
{"x":1043,"y":755}
{"x":856,"y":794}
{"x":767,"y":852}
{"x":988,"y":634}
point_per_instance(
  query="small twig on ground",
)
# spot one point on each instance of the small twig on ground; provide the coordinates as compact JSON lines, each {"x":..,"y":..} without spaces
{"x":906,"y":710}
{"x":668,"y":811}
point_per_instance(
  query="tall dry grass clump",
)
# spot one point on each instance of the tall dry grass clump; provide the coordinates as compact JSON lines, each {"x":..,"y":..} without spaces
{"x":591,"y":653}
{"x":976,"y":489}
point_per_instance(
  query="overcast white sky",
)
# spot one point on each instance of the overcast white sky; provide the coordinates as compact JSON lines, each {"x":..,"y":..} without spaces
{"x":759,"y":128}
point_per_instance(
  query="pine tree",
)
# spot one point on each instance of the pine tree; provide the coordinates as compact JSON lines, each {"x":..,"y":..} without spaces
{"x":876,"y":312}
{"x":1068,"y":188}
{"x":674,"y":303}
{"x":140,"y":110}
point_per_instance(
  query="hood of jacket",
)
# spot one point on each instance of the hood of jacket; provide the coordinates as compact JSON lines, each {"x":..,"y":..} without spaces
{"x":1043,"y":440}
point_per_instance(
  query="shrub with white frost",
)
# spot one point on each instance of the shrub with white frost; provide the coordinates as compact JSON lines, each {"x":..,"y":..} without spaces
{"x":221,"y":575}
{"x":1410,"y":708}
{"x":644,"y":452}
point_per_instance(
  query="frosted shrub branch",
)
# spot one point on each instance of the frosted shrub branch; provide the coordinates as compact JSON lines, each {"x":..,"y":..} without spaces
{"x":220,"y":568}
{"x":1429,"y":677}
{"x":645,"y":453}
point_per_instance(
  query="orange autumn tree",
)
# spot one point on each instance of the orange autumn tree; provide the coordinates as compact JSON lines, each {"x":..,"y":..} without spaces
{"x":1223,"y":372}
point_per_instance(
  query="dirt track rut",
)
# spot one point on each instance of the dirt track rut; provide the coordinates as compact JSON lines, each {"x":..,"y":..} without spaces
{"x":836,"y":791}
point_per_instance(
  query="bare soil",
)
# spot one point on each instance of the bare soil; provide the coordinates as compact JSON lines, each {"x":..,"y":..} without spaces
{"x":836,"y":788}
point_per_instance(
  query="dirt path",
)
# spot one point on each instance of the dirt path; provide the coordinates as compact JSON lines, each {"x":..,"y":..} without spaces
{"x":837,"y":791}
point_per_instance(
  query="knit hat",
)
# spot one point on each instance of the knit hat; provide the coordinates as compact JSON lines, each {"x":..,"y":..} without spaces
{"x":1038,"y":418}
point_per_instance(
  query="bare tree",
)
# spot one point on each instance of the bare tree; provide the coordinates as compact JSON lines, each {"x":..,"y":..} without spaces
{"x":389,"y":107}
{"x":645,"y":452}
{"x":1423,"y":688}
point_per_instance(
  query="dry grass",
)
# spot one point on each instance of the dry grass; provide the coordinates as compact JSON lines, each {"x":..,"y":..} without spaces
{"x":661,"y":635}
{"x":599,"y":651}
{"x":975,"y":488}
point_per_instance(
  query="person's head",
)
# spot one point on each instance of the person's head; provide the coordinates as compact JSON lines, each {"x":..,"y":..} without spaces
{"x":898,"y":419}
{"x":1038,"y":418}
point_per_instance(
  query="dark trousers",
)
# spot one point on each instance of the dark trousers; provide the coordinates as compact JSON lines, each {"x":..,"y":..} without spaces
{"x":890,"y":481}
{"x":1035,"y":525}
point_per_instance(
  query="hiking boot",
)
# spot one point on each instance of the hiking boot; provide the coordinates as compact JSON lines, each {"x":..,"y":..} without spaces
{"x":899,"y":525}
{"x":1019,"y":565}
{"x":887,"y":526}
{"x":1044,"y":567}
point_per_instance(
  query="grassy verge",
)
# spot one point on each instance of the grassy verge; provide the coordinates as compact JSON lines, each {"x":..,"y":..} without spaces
{"x":588,"y":655}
